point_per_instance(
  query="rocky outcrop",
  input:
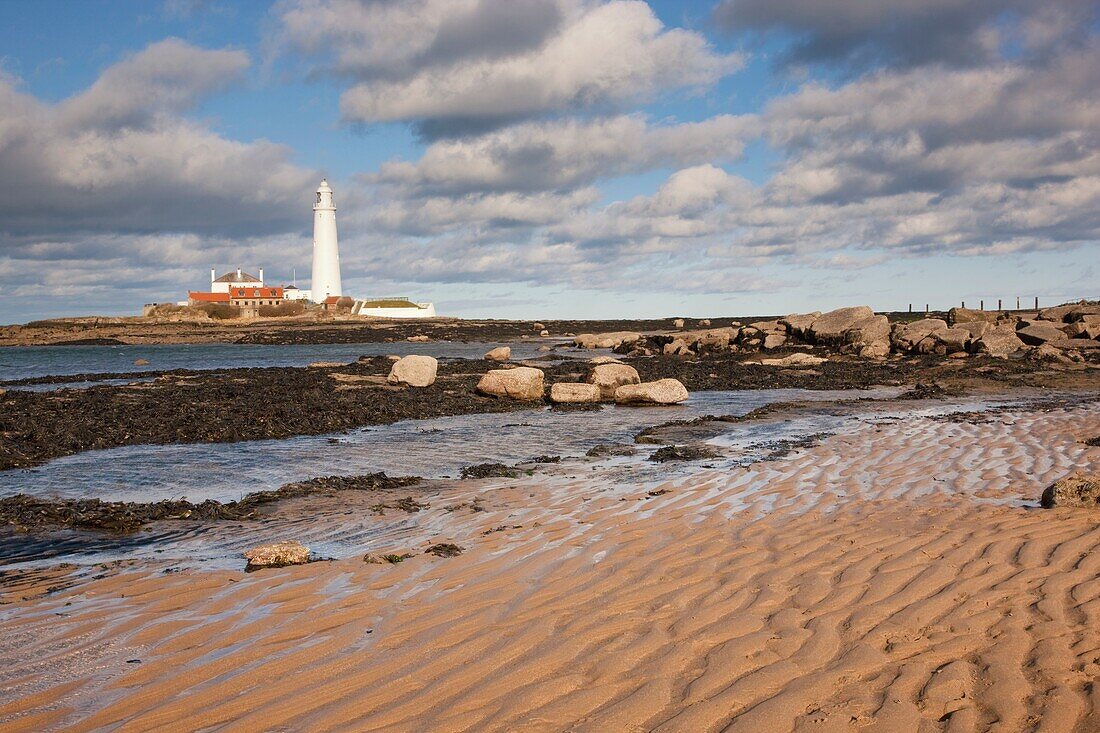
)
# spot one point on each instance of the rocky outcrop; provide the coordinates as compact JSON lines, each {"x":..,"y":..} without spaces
{"x":1075,"y":490}
{"x":799,"y":324}
{"x":966,"y":315}
{"x":999,"y":342}
{"x":661,"y":392}
{"x":574,"y":392}
{"x":521,"y":383}
{"x":609,"y":377}
{"x":277,"y":555}
{"x":414,"y":371}
{"x":1069,"y":313}
{"x":853,"y":330}
{"x":604,"y":340}
{"x":905,"y":336}
{"x":500,"y":353}
{"x":1036,"y":333}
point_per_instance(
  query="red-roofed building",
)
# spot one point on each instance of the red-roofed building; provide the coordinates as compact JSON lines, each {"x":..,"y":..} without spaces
{"x":197,"y":298}
{"x":251,"y":299}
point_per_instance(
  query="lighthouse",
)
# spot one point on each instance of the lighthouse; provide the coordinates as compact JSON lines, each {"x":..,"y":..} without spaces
{"x":326,"y":253}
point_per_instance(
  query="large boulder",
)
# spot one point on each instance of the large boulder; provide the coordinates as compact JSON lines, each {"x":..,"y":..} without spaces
{"x":966,"y":315}
{"x":414,"y":371}
{"x":1075,"y":490}
{"x":661,"y":392}
{"x":831,"y":327}
{"x":604,"y":340}
{"x":1036,"y":333}
{"x":797,"y":324}
{"x":856,"y":330}
{"x":521,"y":383}
{"x":905,"y":336}
{"x":609,"y":377}
{"x":976,"y":329}
{"x":500,"y":353}
{"x":277,"y":555}
{"x":953,"y":340}
{"x":774,"y":341}
{"x":1000,"y":342}
{"x":570,"y":392}
{"x":1085,"y":328}
{"x":1069,"y":313}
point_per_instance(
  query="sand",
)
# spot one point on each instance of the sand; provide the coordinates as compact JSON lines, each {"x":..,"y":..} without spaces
{"x":890,"y":579}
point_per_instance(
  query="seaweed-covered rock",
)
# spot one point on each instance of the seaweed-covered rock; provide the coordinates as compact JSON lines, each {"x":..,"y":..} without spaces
{"x":683,"y":453}
{"x":277,"y":555}
{"x":1075,"y":490}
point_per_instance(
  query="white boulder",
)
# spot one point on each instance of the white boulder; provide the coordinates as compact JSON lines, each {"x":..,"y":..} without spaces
{"x":414,"y":371}
{"x":521,"y":383}
{"x":661,"y":392}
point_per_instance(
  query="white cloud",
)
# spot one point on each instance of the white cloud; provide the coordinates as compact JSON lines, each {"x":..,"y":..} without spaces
{"x":597,"y":54}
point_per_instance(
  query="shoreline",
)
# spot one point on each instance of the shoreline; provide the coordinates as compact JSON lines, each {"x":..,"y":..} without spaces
{"x":220,"y":406}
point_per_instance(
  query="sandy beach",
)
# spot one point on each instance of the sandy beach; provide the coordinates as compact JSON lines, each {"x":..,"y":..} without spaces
{"x":896,"y":576}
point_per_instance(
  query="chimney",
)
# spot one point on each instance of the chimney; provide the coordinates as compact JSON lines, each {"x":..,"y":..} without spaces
{"x":261,"y":276}
{"x":213,"y":276}
{"x":238,"y":273}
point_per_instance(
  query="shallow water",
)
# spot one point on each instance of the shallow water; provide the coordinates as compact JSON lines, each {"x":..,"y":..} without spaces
{"x":430,"y":448}
{"x":22,"y":362}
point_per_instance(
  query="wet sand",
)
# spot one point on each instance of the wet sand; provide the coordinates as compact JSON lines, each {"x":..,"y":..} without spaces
{"x":893,"y":578}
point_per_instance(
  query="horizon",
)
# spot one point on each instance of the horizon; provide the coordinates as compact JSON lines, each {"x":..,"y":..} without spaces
{"x":553,"y":159}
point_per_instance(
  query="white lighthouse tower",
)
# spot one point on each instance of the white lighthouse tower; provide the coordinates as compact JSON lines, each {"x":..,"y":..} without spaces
{"x":326,"y":253}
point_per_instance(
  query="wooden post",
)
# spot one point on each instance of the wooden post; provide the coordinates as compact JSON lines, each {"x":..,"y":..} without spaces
{"x":963,"y":304}
{"x":1017,"y":302}
{"x":925,"y":309}
{"x":999,"y":304}
{"x":910,"y":307}
{"x":981,"y":305}
{"x":1036,"y":302}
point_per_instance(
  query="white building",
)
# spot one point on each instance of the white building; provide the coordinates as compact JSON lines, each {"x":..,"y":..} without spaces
{"x":393,"y":308}
{"x":236,"y":279}
{"x":293,"y":292}
{"x":326,"y":252}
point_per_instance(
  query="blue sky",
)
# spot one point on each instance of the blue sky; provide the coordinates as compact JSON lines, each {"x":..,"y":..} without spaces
{"x":553,"y":158}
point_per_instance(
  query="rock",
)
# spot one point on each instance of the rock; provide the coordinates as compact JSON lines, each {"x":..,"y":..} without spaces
{"x":958,"y":355}
{"x":604,"y":340}
{"x":1069,"y":313}
{"x":141,"y":362}
{"x":704,"y":322}
{"x":1074,"y":344}
{"x":609,"y":377}
{"x":678,"y":323}
{"x":414,"y":371}
{"x":603,"y":450}
{"x":1035,"y":333}
{"x":854,"y":327}
{"x":544,"y":347}
{"x":1000,"y":342}
{"x":976,"y":329}
{"x":445,"y":549}
{"x":798,"y":324}
{"x":683,"y":453}
{"x":500,"y":353}
{"x":538,"y":326}
{"x":521,"y":383}
{"x":774,"y":341}
{"x":678,"y":346}
{"x":875,"y":350}
{"x":277,"y":555}
{"x":769,"y":326}
{"x":605,"y":360}
{"x":953,"y":340}
{"x":418,"y":339}
{"x":1084,"y":329}
{"x":569,"y":392}
{"x":905,"y":336}
{"x":1075,"y":490}
{"x":325,"y":364}
{"x":1048,"y":353}
{"x":795,"y":360}
{"x":661,"y":392}
{"x":544,"y":333}
{"x":967,"y":315}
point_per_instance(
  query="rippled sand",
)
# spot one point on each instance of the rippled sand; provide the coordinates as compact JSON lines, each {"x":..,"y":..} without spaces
{"x":891,"y":578}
